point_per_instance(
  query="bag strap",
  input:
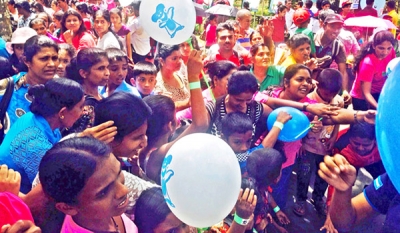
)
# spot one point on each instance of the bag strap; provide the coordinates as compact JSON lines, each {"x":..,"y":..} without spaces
{"x":5,"y":101}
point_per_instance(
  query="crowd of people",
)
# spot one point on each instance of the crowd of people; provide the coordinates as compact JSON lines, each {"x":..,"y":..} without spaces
{"x":91,"y":104}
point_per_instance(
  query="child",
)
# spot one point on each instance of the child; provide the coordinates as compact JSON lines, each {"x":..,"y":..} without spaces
{"x":318,"y":144}
{"x":301,"y":18}
{"x":121,"y":30}
{"x":118,"y":70}
{"x":144,"y":78}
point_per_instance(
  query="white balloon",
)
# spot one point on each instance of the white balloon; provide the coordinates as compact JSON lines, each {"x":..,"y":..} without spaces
{"x":391,"y":65}
{"x":378,"y":5}
{"x":168,"y":21}
{"x":200,"y":179}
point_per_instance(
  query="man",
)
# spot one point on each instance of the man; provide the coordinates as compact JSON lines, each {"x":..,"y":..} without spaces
{"x":244,"y":17}
{"x":246,"y":5}
{"x":279,"y":22}
{"x":391,"y":9}
{"x":299,"y":5}
{"x":14,"y":14}
{"x":308,"y":6}
{"x":368,"y":10}
{"x":346,"y":11}
{"x":327,"y":44}
{"x":226,"y":41}
{"x":24,"y":9}
{"x":289,"y":15}
{"x":140,"y":40}
{"x":63,"y":4}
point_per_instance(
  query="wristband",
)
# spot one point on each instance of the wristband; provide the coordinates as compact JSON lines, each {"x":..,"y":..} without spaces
{"x":278,"y":125}
{"x":277,"y":209}
{"x":194,"y":85}
{"x":305,"y":105}
{"x":240,"y":220}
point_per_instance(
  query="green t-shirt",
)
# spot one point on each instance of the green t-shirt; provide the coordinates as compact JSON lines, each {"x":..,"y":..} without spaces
{"x":309,"y":34}
{"x":273,"y":77}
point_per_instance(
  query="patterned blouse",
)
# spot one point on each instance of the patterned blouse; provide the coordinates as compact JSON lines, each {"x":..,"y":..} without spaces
{"x":176,"y":94}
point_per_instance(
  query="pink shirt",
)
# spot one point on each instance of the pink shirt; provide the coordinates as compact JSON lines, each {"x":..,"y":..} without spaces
{"x":187,"y":113}
{"x":211,"y":35}
{"x":371,"y":70}
{"x":279,"y":29}
{"x":70,"y":226}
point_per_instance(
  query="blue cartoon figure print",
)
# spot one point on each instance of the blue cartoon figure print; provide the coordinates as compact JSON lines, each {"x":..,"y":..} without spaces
{"x":164,"y":17}
{"x":166,"y":175}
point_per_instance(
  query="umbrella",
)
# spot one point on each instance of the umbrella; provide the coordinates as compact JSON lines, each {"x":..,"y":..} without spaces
{"x":369,"y":22}
{"x":221,"y":9}
{"x":199,"y":9}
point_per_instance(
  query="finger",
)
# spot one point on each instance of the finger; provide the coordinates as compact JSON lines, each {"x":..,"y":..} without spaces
{"x":17,"y":177}
{"x":33,"y":229}
{"x":4,"y":228}
{"x":20,"y":226}
{"x":240,"y":194}
{"x":251,"y":196}
{"x":10,"y":174}
{"x":106,"y":133}
{"x":327,"y":172}
{"x":245,"y":194}
{"x":3,"y":171}
{"x":254,"y":203}
{"x":103,"y":125}
{"x":332,"y":164}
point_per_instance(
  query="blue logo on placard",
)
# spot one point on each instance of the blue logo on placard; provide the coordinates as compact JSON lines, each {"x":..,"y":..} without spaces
{"x":165,"y":19}
{"x":166,"y":175}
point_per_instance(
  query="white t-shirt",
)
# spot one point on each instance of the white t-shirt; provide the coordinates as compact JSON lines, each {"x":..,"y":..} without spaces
{"x":108,"y":41}
{"x":140,"y":40}
{"x":289,"y":18}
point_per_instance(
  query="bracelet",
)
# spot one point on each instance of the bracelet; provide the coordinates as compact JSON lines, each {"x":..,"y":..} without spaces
{"x":240,"y":220}
{"x":194,"y":85}
{"x":277,"y":209}
{"x":278,"y":125}
{"x":355,"y":117}
{"x":305,"y":105}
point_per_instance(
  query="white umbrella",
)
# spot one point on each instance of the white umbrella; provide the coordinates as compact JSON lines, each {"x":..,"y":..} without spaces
{"x":221,"y":9}
{"x":370,"y":22}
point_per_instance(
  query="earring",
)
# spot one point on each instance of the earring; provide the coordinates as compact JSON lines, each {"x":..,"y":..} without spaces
{"x":61,"y":117}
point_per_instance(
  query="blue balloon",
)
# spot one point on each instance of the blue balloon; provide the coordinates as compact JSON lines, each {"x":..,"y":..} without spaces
{"x":387,"y":126}
{"x":295,"y":129}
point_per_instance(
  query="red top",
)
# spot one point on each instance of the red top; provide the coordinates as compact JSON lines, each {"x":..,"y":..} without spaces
{"x":368,"y":11}
{"x":279,"y":29}
{"x":87,"y":23}
{"x":84,"y":40}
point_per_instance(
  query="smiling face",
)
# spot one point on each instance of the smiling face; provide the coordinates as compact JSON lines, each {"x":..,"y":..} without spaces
{"x":262,"y":57}
{"x":226,"y":40}
{"x":383,"y":49}
{"x":43,"y":66}
{"x":332,"y":30}
{"x":104,"y":195}
{"x":131,"y":143}
{"x":238,"y":103}
{"x":299,"y":85}
{"x":73,"y":23}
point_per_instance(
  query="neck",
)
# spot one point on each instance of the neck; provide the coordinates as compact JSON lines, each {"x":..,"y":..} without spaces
{"x":33,"y":80}
{"x":13,"y":10}
{"x":260,"y":72}
{"x":117,"y":27}
{"x":26,"y":15}
{"x":185,"y":59}
{"x":287,"y":96}
{"x":226,"y":53}
{"x":91,"y":90}
{"x":54,"y":122}
{"x":102,"y":34}
{"x":217,"y":92}
{"x":110,"y":88}
{"x":95,"y":224}
{"x":166,"y":74}
{"x":325,"y":40}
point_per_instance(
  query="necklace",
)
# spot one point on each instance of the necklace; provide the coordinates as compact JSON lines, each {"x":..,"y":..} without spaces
{"x":115,"y":225}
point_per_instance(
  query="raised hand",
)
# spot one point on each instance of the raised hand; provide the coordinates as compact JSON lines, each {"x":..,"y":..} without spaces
{"x":246,"y":203}
{"x":10,"y":180}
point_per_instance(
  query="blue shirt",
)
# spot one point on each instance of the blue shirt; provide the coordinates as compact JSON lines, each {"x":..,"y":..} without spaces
{"x":124,"y":87}
{"x":25,"y":145}
{"x":3,"y":50}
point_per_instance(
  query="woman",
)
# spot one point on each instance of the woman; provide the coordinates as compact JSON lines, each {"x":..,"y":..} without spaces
{"x":121,"y":30}
{"x":300,"y":50}
{"x":267,"y":75}
{"x":40,"y":26}
{"x":17,"y":44}
{"x":256,"y":38}
{"x":56,"y":105}
{"x":83,"y":9}
{"x":370,"y":69}
{"x":90,"y":69}
{"x":65,"y":55}
{"x":98,"y":201}
{"x":73,"y":31}
{"x":170,"y":82}
{"x":102,"y":26}
{"x":210,"y":31}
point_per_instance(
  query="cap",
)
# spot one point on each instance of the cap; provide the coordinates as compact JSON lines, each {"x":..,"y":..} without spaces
{"x":20,"y":36}
{"x":300,"y":16}
{"x":333,"y":18}
{"x":24,"y":5}
{"x":346,"y":2}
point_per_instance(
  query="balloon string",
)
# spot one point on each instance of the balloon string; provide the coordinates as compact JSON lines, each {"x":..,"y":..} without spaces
{"x":309,"y":127}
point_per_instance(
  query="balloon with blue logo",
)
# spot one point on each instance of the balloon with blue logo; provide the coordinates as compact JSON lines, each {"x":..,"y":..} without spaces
{"x":200,"y":179}
{"x":388,"y":126}
{"x":168,"y":21}
{"x":295,"y":129}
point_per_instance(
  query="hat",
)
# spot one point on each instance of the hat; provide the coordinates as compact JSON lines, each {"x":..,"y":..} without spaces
{"x":333,"y":18}
{"x":23,"y":5}
{"x":20,"y":36}
{"x":300,"y":16}
{"x":346,"y":2}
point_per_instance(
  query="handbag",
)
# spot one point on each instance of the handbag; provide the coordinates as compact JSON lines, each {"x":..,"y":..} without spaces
{"x":5,"y":101}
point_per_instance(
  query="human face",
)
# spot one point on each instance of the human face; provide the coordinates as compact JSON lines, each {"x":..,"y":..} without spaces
{"x":383,"y":49}
{"x":101,"y":25}
{"x":185,"y":49}
{"x":115,"y":19}
{"x":282,"y":13}
{"x":221,"y":85}
{"x":145,"y":83}
{"x":226,"y":40}
{"x":64,"y":60}
{"x":346,"y":8}
{"x":299,"y":85}
{"x":105,"y":194}
{"x":326,"y":95}
{"x":62,"y":4}
{"x":131,"y":143}
{"x":118,"y":72}
{"x":238,"y":103}
{"x":332,"y":30}
{"x":256,"y":39}
{"x":173,"y":62}
{"x":240,"y":142}
{"x":18,"y":50}
{"x":43,"y":66}
{"x":289,"y":4}
{"x":99,"y":73}
{"x":262,"y":57}
{"x":301,"y":53}
{"x":73,"y":23}
{"x":245,"y":22}
{"x":361,"y":146}
{"x":73,"y":114}
{"x":172,"y":224}
{"x":57,"y":23}
{"x":326,"y":7}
